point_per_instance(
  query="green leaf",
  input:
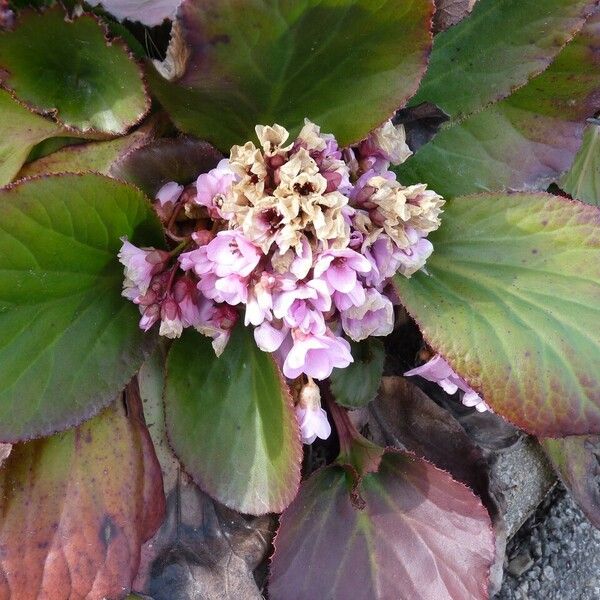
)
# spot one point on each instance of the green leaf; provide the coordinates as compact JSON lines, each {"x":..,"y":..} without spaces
{"x":77,"y":506}
{"x":231,"y":422}
{"x":345,"y":64}
{"x":20,"y":130}
{"x":582,"y":181}
{"x":511,"y":301}
{"x":88,"y":83}
{"x":356,"y":385}
{"x":498,"y":48}
{"x":91,"y":156}
{"x":420,"y":535}
{"x":526,"y":140}
{"x":575,"y":459}
{"x":68,"y":341}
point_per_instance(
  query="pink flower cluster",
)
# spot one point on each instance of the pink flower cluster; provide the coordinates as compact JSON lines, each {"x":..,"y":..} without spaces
{"x":301,"y":235}
{"x":439,"y":371}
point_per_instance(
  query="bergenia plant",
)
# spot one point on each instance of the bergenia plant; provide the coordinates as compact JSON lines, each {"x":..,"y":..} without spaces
{"x":236,"y":238}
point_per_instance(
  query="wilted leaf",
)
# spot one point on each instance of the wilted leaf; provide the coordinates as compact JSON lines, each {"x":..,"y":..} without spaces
{"x":231,"y":422}
{"x":346,"y":65}
{"x":583,"y":179}
{"x":88,"y":83}
{"x":421,"y":535}
{"x":498,"y":48}
{"x":450,"y":12}
{"x":511,"y":301}
{"x":148,"y":12}
{"x":524,"y":141}
{"x":357,"y":384}
{"x":76,"y":508}
{"x":202,"y":549}
{"x":69,"y":341}
{"x":576,"y":460}
{"x":151,"y":166}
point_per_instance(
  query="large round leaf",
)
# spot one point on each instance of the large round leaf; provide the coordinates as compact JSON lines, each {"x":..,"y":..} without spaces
{"x":498,"y":48}
{"x":77,"y":506}
{"x":69,"y":69}
{"x":345,"y":64}
{"x":524,"y":141}
{"x":68,"y":341}
{"x":511,"y":299}
{"x":230,"y":421}
{"x":420,"y":536}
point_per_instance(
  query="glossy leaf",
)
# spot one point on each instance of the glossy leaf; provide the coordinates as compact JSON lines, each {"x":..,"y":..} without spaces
{"x":68,"y":341}
{"x":421,"y":535}
{"x":154,"y":164}
{"x":88,"y":83}
{"x":345,"y":64}
{"x":524,"y":141}
{"x":583,"y":179}
{"x":20,"y":130}
{"x":357,"y":384}
{"x":202,"y":549}
{"x":230,"y":421}
{"x":511,"y":302}
{"x":76,"y":508}
{"x":497,"y":49}
{"x":576,"y":459}
{"x":407,"y":418}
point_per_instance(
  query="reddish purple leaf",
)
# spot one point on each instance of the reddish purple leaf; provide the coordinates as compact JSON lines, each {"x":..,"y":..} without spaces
{"x":421,"y":535}
{"x":76,"y":508}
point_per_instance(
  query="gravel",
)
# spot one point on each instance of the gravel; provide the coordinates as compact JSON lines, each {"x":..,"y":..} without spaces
{"x":554,"y":556}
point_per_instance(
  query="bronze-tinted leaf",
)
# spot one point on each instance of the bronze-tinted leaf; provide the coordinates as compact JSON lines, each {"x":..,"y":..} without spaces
{"x":76,"y":507}
{"x":421,"y":535}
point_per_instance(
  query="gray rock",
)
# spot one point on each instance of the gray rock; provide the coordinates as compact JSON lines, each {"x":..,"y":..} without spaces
{"x":565,"y":551}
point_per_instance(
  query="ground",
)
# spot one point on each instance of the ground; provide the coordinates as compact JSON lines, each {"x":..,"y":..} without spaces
{"x":554,"y":556}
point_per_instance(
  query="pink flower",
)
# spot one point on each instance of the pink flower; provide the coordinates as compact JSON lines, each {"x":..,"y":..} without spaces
{"x":212,"y":187}
{"x":439,"y":371}
{"x":170,"y":319}
{"x":259,"y":304}
{"x":233,"y":254}
{"x":340,"y":268}
{"x":374,"y":317}
{"x":169,"y":193}
{"x":189,"y":302}
{"x":217,"y":322}
{"x":270,"y":336}
{"x":315,"y":292}
{"x":197,"y":261}
{"x":231,"y":289}
{"x":311,"y":417}
{"x":410,"y":260}
{"x":313,"y":424}
{"x":316,"y":355}
{"x":150,"y":315}
{"x":140,"y":265}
